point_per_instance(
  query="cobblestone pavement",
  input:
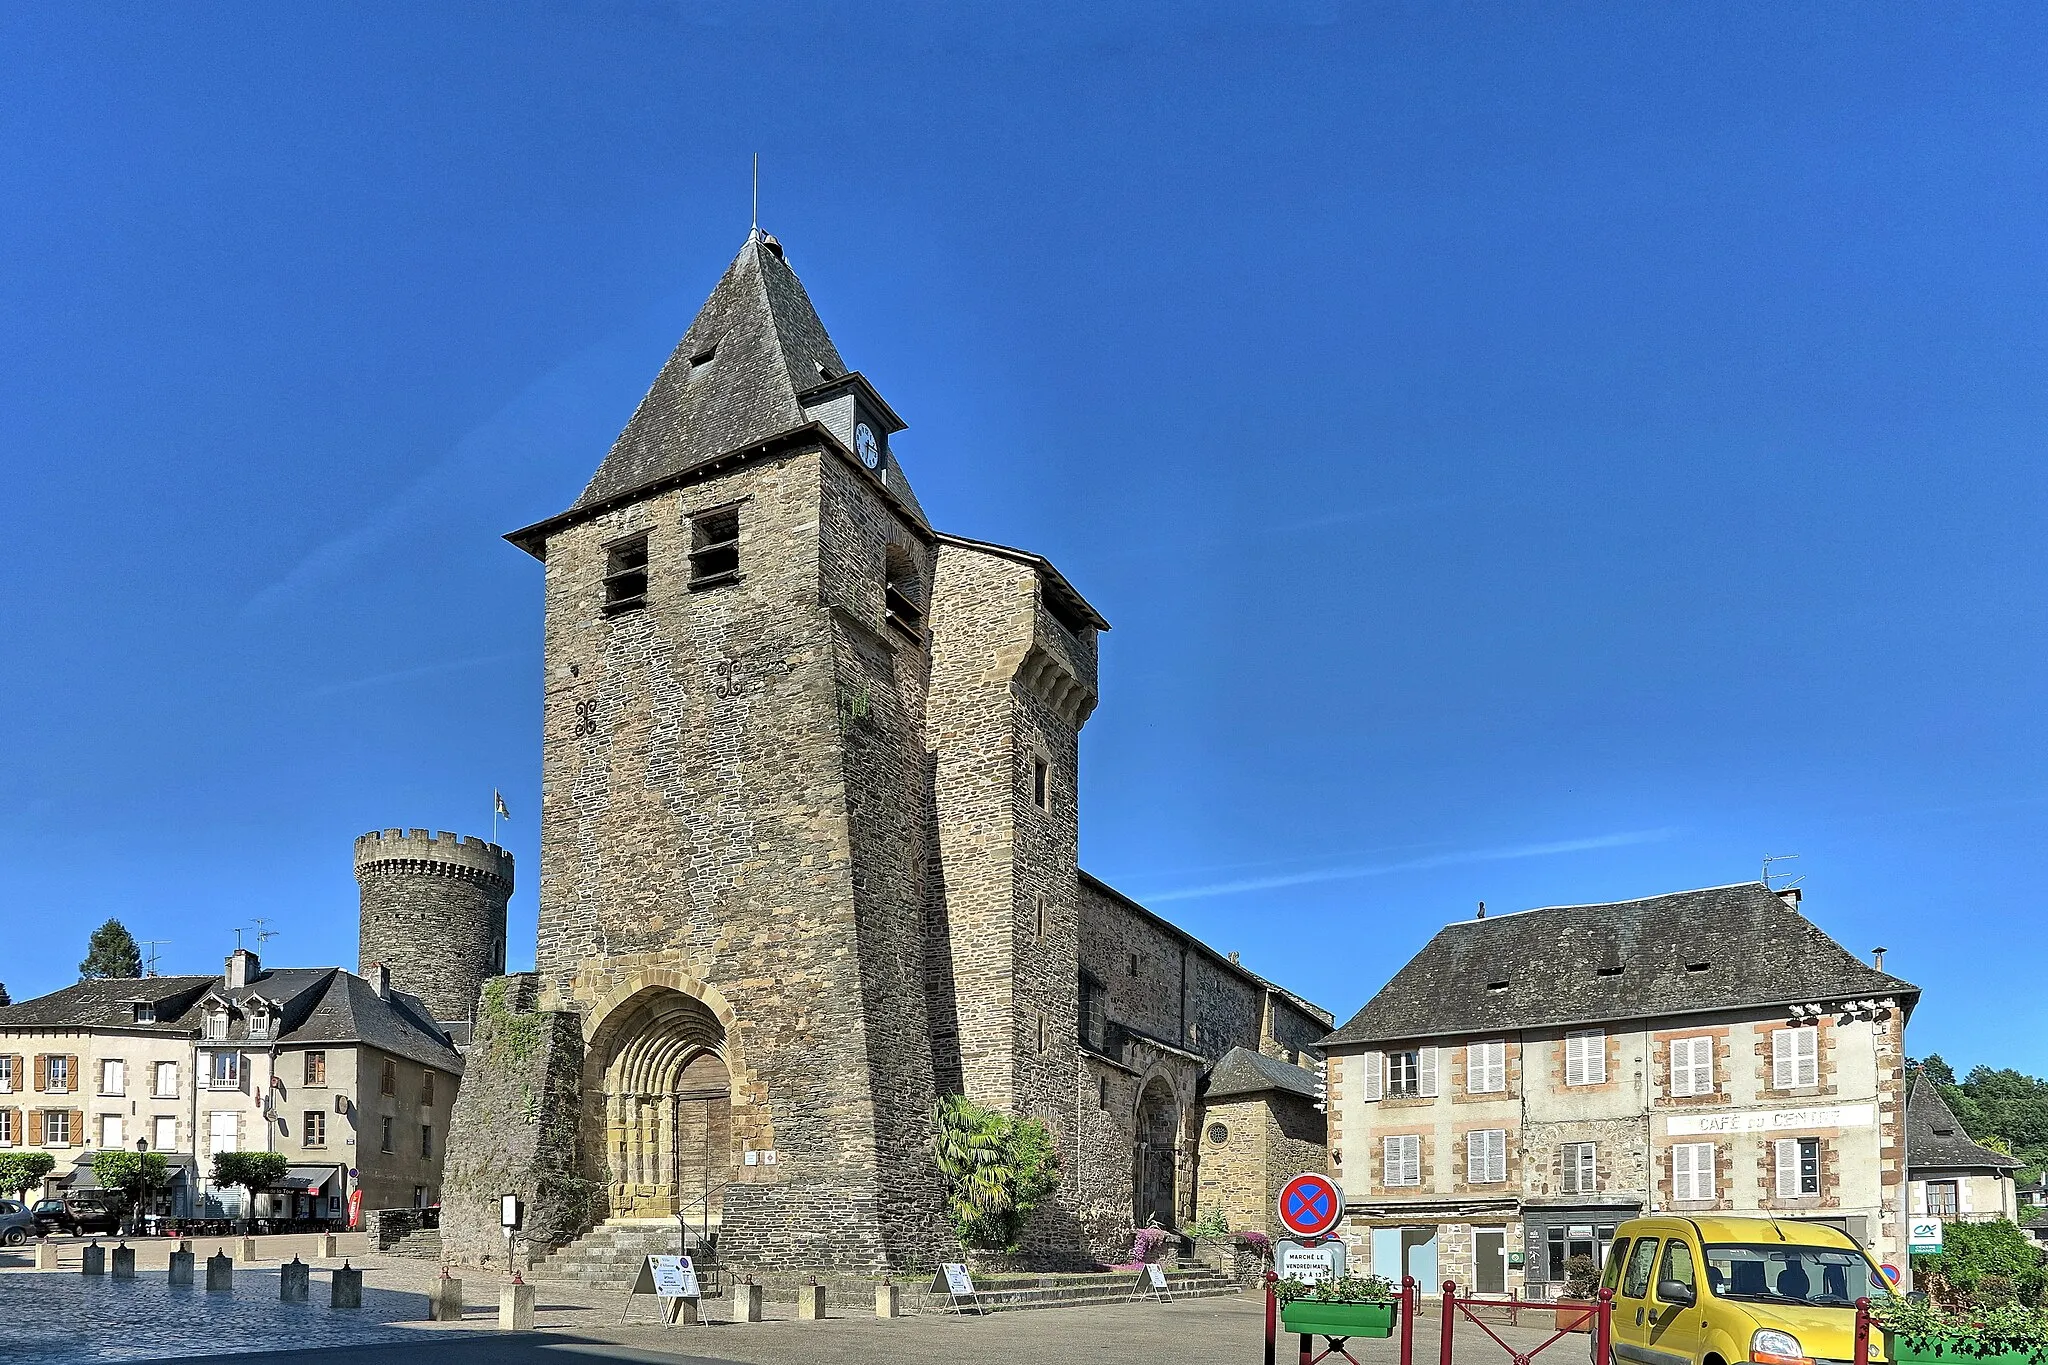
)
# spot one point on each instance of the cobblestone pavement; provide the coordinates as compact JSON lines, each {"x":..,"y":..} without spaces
{"x":86,"y":1320}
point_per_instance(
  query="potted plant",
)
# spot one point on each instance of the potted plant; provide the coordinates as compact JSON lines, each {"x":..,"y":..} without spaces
{"x":1576,"y":1302}
{"x":1347,"y":1306}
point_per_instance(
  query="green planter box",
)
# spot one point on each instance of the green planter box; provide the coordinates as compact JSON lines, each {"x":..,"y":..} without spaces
{"x":1948,"y":1351}
{"x":1312,"y":1317}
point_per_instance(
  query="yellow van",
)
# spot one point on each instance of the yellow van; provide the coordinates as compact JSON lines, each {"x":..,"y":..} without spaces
{"x":1719,"y":1291}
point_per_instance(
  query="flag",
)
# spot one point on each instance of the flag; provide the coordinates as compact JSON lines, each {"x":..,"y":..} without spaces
{"x":499,"y":798}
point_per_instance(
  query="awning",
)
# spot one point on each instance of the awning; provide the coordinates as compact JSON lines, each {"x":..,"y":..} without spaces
{"x":81,"y":1177}
{"x":304,"y":1179}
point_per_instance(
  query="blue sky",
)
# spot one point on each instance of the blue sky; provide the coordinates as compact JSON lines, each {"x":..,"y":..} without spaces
{"x":1527,"y":455}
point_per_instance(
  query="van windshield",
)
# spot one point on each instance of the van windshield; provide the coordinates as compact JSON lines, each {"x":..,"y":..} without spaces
{"x":1822,"y":1277}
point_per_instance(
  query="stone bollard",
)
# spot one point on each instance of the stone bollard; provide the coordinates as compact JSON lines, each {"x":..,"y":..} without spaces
{"x":515,"y":1306}
{"x":249,"y":1251}
{"x":686,"y":1314}
{"x":185,"y":1244}
{"x":94,"y":1261}
{"x":328,"y":1249}
{"x":444,"y":1304}
{"x":46,"y":1255}
{"x":746,"y":1302}
{"x":124,"y":1262}
{"x":885,"y":1300}
{"x":220,"y":1271}
{"x":294,"y":1281}
{"x":181,"y":1268}
{"x":810,"y":1302}
{"x":346,"y":1291}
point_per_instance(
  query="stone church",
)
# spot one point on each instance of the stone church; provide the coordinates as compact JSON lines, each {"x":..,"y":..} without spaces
{"x":808,"y":862}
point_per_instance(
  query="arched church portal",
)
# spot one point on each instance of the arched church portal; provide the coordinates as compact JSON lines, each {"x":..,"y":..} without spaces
{"x":1158,"y":1130}
{"x":668,"y":1141}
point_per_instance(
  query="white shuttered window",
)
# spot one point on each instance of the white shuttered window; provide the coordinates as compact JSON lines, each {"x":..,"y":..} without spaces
{"x":1486,"y":1156}
{"x":1795,"y":1058}
{"x":1486,"y":1068}
{"x":1426,"y":1073}
{"x":1692,"y":1170}
{"x":1581,"y":1168}
{"x":1402,"y":1158}
{"x":1372,"y":1067}
{"x":1692,"y":1066}
{"x":1798,"y":1167}
{"x":1585,"y":1058}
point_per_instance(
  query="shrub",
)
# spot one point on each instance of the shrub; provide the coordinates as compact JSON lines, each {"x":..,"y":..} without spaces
{"x":1211,"y":1224}
{"x":1581,"y":1277}
{"x":1148,"y":1244}
{"x":994,"y":1170}
{"x":1983,"y":1265}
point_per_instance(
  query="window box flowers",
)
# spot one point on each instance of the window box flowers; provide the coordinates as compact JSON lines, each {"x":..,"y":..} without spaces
{"x":1349,"y":1306}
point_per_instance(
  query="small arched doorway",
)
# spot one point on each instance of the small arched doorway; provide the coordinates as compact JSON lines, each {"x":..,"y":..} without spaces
{"x":1157,"y":1150}
{"x":667,"y":1139}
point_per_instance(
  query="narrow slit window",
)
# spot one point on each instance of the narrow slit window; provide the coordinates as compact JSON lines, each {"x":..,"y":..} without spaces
{"x":625,"y":575}
{"x":715,"y":547}
{"x":1041,"y":785}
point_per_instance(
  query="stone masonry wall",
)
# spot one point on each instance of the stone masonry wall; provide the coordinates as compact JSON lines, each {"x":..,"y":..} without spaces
{"x":698,"y":809}
{"x":515,"y":1129}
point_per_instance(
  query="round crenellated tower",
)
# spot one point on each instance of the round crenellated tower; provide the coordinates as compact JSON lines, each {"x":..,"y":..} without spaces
{"x":433,"y":911}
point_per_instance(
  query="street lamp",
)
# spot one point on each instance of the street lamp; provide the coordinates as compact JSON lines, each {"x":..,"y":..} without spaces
{"x":141,"y":1183}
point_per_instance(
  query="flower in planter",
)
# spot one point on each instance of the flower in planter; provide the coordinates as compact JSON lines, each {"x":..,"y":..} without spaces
{"x":1339,"y":1289}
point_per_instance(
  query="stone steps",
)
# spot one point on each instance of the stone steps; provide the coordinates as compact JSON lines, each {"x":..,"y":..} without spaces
{"x":423,"y":1244}
{"x":1011,"y":1293}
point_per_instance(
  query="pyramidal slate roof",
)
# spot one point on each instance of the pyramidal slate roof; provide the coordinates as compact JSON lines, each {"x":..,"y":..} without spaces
{"x":1721,"y":948}
{"x":1245,"y":1072}
{"x":1934,"y":1137}
{"x":732,"y":381}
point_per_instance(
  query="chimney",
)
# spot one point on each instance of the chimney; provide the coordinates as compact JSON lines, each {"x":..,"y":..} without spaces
{"x":1790,"y":895}
{"x":242,"y":968}
{"x":1233,"y":960}
{"x":1877,"y":958}
{"x":381,"y":981}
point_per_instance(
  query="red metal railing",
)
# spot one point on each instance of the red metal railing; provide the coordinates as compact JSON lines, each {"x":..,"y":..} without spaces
{"x":1568,"y":1319}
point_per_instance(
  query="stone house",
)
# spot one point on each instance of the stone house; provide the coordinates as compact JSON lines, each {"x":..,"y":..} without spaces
{"x":809,"y":836}
{"x":1947,"y":1175}
{"x":1528,"y":1081}
{"x":1262,"y":1124}
{"x":351,"y":1080}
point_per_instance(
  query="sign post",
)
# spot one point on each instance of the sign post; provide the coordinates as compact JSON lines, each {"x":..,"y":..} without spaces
{"x":1310,"y":1205}
{"x":1311,"y":1263}
{"x":1923,"y":1236}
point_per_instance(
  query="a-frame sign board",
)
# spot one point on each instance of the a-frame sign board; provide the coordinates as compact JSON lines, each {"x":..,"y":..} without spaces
{"x":1151,"y":1284}
{"x":958,"y":1286}
{"x":672,"y":1280}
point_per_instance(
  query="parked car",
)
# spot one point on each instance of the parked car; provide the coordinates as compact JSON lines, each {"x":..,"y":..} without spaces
{"x":17,"y":1224}
{"x":76,"y":1214}
{"x":1692,"y":1290}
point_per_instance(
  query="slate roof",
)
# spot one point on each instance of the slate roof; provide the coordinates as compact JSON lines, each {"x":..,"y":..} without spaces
{"x":1588,"y":964}
{"x":766,"y":346}
{"x":1245,"y":1072}
{"x":317,"y":1005}
{"x":109,"y":1003}
{"x":1934,"y":1137}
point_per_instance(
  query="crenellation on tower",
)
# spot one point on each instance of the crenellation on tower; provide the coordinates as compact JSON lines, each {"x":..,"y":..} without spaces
{"x":433,"y":911}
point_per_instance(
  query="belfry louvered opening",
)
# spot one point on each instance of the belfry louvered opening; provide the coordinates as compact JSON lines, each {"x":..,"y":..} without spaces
{"x":625,"y":575}
{"x":714,"y":547}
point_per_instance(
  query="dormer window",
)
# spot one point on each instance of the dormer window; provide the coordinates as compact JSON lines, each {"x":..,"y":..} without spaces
{"x":217,"y":1023}
{"x":259,"y":1024}
{"x":625,"y":575}
{"x":714,"y":547}
{"x":701,"y":361}
{"x":145,"y":1012}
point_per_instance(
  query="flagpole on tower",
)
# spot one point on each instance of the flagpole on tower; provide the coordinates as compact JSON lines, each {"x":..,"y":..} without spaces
{"x":498,"y":812}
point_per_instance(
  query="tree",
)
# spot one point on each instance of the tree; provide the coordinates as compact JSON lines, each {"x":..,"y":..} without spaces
{"x":252,"y":1171}
{"x":994,"y":1170}
{"x":110,"y":952}
{"x":5,"y":998}
{"x":1938,"y":1071}
{"x":21,"y":1172}
{"x":132,"y":1175}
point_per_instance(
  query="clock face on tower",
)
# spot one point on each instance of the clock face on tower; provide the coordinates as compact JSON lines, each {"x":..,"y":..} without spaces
{"x":866,"y":446}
